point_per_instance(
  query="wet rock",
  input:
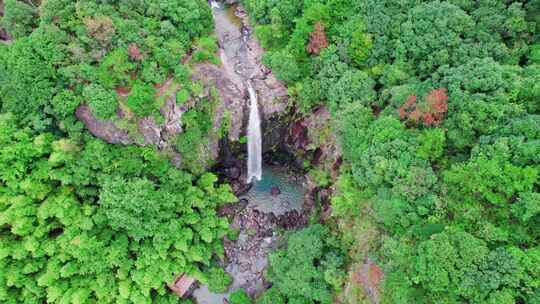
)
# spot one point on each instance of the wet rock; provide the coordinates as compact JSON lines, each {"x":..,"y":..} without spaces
{"x":232,"y":209}
{"x":324,"y":195}
{"x":233,"y":172}
{"x":292,"y":219}
{"x":275,"y":191}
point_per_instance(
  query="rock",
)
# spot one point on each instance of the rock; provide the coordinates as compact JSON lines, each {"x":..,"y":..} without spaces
{"x":150,"y":131}
{"x":173,"y":118}
{"x":241,"y":58}
{"x":275,"y":191}
{"x":324,"y":195}
{"x":230,"y":93}
{"x":103,"y":129}
{"x":369,"y":276}
{"x":292,"y":219}
{"x":233,"y":172}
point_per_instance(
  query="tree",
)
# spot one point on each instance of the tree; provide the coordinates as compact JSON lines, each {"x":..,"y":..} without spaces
{"x":102,"y":102}
{"x":353,"y":86}
{"x":141,"y":99}
{"x":317,"y":39}
{"x":298,"y":272}
{"x":19,"y":18}
{"x":218,"y":280}
{"x":239,"y":296}
{"x":59,"y":245}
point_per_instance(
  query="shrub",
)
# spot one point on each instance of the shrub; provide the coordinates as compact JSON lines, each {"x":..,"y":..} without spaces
{"x":101,"y":101}
{"x":239,"y":296}
{"x":218,"y":280}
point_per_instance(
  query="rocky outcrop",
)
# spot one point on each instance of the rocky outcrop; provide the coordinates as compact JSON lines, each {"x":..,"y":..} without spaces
{"x":247,"y":256}
{"x":241,"y":58}
{"x":172,"y":113}
{"x":311,"y":137}
{"x":231,"y":94}
{"x":149,"y":131}
{"x":103,"y":129}
{"x":4,"y":36}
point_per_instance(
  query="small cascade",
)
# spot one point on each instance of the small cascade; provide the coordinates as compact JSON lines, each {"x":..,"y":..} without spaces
{"x":254,"y":140}
{"x":214,"y":4}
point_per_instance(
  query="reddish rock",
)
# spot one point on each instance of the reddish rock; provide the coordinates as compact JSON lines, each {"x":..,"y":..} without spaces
{"x":369,"y":276}
{"x":275,"y":191}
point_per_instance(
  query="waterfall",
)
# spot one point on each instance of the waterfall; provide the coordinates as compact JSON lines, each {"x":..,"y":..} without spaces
{"x":214,"y":4}
{"x":254,"y":141}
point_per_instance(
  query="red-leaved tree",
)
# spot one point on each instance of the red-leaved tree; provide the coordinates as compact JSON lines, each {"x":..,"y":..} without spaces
{"x":317,"y":39}
{"x":429,"y":112}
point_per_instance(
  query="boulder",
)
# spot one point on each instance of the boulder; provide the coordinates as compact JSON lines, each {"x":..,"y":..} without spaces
{"x":275,"y":191}
{"x":103,"y":129}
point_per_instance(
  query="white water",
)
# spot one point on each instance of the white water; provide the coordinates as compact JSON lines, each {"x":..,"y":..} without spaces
{"x":214,"y":4}
{"x":254,"y":141}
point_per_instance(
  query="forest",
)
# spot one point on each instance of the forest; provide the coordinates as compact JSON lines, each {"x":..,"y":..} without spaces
{"x":435,"y":106}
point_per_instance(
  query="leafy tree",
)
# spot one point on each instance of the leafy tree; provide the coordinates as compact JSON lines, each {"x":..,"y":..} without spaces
{"x":19,"y":17}
{"x":102,"y":102}
{"x":218,"y":280}
{"x":299,"y":271}
{"x":77,"y":250}
{"x":141,"y":99}
{"x":284,"y":65}
{"x":353,"y":86}
{"x":239,"y":296}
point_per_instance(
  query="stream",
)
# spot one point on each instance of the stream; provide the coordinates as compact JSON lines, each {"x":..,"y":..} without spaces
{"x":273,"y":202}
{"x":276,"y":197}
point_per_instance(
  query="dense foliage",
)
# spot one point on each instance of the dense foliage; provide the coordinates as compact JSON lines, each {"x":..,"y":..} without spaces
{"x":82,"y":221}
{"x":99,"y":221}
{"x":306,"y":271}
{"x":89,"y":51}
{"x":436,"y":107}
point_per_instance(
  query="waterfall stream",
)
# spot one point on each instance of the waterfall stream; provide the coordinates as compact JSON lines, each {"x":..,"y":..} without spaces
{"x":254,"y":140}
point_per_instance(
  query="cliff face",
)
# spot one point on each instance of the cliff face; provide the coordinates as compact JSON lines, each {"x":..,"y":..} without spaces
{"x":142,"y":131}
{"x":240,"y":57}
{"x":241,"y":60}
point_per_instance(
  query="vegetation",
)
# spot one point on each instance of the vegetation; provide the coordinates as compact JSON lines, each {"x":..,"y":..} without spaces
{"x":82,"y":221}
{"x":436,"y":107}
{"x":306,"y":271}
{"x":239,"y":296}
{"x":218,"y":280}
